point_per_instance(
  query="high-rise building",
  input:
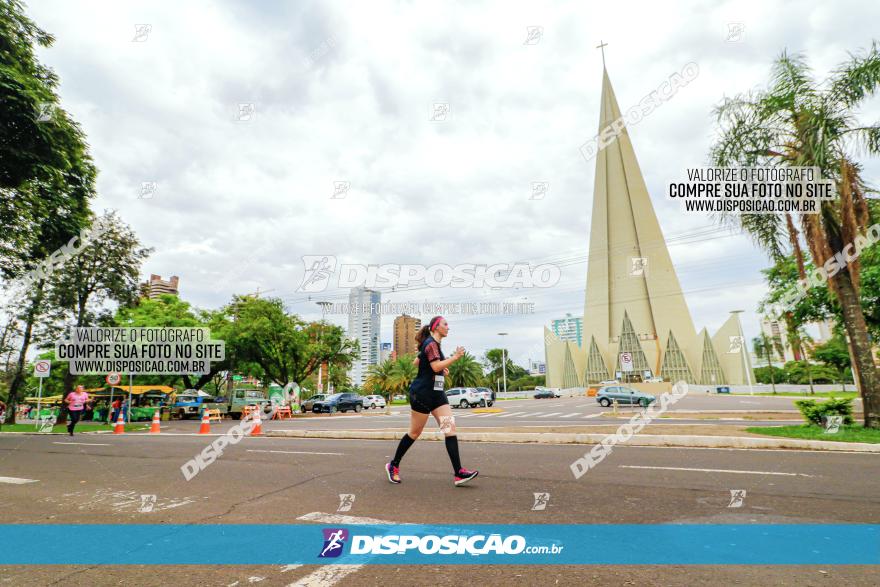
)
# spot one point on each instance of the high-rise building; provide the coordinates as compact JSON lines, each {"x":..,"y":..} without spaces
{"x":777,"y":333}
{"x":568,"y":328}
{"x":386,"y":352}
{"x":405,"y":330}
{"x":636,"y":321}
{"x":156,"y":286}
{"x":364,"y":325}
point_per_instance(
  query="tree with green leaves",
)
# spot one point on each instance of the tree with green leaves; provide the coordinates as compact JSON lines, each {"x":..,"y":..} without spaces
{"x":798,"y":121}
{"x":287,"y":348}
{"x":46,"y":177}
{"x":466,"y":372}
{"x":764,"y":349}
{"x":106,"y":269}
{"x":170,"y":311}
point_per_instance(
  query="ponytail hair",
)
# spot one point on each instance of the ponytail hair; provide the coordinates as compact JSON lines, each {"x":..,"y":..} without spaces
{"x":425,"y":331}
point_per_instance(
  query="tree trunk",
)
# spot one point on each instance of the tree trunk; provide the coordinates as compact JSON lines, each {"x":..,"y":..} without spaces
{"x":18,"y":378}
{"x":854,"y":321}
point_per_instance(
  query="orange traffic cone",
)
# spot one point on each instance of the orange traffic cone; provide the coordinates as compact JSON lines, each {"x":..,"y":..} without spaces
{"x":120,"y":424}
{"x":205,"y":428}
{"x":257,"y":430}
{"x":154,"y":427}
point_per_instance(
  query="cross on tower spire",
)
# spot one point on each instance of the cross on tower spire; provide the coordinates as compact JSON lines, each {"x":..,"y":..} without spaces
{"x":602,"y":46}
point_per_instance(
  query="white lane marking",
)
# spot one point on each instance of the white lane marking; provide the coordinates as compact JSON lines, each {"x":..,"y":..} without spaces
{"x":486,"y":415}
{"x":17,"y":480}
{"x":511,"y":414}
{"x":329,"y":575}
{"x":593,"y":415}
{"x":534,"y":414}
{"x":298,"y":452}
{"x":286,"y":568}
{"x":716,"y":470}
{"x":551,"y":414}
{"x":83,"y":443}
{"x":340,"y":519}
{"x":332,"y":574}
{"x":572,"y":415}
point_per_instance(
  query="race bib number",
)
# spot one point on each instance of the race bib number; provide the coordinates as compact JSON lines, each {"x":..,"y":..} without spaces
{"x":439,"y":381}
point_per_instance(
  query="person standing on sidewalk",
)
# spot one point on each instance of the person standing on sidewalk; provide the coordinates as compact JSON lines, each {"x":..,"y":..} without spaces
{"x":76,"y":405}
{"x":427,"y":396}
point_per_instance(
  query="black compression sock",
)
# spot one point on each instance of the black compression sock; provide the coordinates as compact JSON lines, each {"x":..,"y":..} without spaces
{"x":452,"y":449}
{"x":405,"y":442}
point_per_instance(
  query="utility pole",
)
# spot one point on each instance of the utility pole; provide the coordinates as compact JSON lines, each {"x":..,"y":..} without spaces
{"x":504,"y":363}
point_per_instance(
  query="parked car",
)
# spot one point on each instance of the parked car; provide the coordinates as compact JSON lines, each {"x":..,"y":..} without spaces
{"x":545,"y":392}
{"x":374,"y":401}
{"x":307,"y":404}
{"x":610,"y":382}
{"x":623,"y":395}
{"x":464,"y":397}
{"x":488,"y":397}
{"x":398,"y":397}
{"x":654,"y":380}
{"x":339,"y":402}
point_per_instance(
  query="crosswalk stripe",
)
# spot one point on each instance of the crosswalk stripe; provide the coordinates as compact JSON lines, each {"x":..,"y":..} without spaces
{"x":511,"y":414}
{"x":486,"y":415}
{"x":16,"y":480}
{"x":551,"y":414}
{"x":571,"y":415}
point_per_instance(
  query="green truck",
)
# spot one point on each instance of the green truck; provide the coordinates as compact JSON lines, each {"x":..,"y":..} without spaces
{"x":235,"y":401}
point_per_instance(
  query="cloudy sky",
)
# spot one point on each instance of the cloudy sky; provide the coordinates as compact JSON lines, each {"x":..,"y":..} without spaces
{"x":345,"y":92}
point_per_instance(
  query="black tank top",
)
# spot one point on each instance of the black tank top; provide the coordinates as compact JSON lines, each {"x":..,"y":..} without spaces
{"x":424,"y":381}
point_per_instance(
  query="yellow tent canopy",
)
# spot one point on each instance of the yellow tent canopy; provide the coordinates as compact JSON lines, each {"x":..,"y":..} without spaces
{"x":47,"y":399}
{"x":135,"y":389}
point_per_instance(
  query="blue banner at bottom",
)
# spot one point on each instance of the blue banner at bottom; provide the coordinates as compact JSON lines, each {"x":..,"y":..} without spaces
{"x":466,"y":544}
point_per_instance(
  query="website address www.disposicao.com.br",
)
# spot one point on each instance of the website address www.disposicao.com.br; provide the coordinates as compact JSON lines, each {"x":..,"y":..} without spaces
{"x":432,"y":544}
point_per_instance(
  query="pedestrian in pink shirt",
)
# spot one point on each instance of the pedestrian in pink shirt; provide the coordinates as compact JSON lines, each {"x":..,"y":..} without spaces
{"x":76,"y":406}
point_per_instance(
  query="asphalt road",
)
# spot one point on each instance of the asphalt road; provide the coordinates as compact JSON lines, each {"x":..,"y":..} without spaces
{"x":569,"y":411}
{"x":102,"y":478}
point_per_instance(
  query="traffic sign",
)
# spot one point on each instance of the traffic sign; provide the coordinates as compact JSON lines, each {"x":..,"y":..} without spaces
{"x":113,"y":378}
{"x":42,"y":368}
{"x":626,"y":361}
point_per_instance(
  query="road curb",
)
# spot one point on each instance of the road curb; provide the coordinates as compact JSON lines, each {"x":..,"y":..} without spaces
{"x":667,"y":440}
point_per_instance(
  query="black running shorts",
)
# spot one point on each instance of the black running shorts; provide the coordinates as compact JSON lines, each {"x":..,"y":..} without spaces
{"x":425,"y":402}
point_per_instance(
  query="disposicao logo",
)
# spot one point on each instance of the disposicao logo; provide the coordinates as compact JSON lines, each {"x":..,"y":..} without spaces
{"x":334,"y":541}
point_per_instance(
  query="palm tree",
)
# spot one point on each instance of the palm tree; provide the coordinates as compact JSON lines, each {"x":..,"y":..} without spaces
{"x":800,"y":122}
{"x":764,"y":349}
{"x":402,"y":374}
{"x":466,"y":372}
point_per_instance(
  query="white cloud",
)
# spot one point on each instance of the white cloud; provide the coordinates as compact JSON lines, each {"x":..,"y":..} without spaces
{"x":343,"y":92}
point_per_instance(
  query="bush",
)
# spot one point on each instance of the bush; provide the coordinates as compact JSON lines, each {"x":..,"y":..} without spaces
{"x":813,"y":411}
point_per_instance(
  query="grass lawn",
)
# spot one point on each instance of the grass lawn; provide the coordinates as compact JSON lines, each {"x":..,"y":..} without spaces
{"x":818,"y":394}
{"x":853,"y":433}
{"x":81,"y":427}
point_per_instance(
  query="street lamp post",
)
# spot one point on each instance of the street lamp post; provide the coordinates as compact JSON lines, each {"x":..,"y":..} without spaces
{"x":744,"y":351}
{"x":320,"y":331}
{"x":504,"y":364}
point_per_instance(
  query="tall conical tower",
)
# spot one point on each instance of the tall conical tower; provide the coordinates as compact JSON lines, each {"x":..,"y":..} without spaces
{"x":633,"y":299}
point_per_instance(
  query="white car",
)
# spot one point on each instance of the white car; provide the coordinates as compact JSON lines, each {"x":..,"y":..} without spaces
{"x":464,"y":397}
{"x":374,"y":401}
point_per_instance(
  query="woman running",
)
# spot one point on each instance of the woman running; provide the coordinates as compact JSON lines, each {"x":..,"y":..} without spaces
{"x":427,"y":396}
{"x":76,"y":405}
